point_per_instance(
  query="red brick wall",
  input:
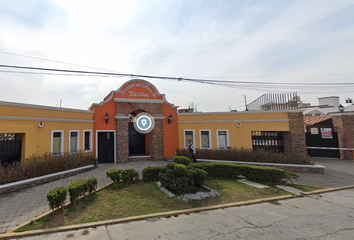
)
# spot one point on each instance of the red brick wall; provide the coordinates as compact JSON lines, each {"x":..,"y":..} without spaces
{"x":122,"y":148}
{"x":344,"y":123}
{"x":156,"y":141}
{"x":155,"y":136}
{"x":295,"y":139}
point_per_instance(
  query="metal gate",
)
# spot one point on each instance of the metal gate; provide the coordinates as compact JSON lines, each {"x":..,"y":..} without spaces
{"x":106,"y":147}
{"x":315,"y":138}
{"x":270,"y":141}
{"x":10,"y":147}
{"x":136,"y":141}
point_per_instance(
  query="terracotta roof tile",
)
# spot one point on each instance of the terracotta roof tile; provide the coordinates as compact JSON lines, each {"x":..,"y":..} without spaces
{"x":309,"y":121}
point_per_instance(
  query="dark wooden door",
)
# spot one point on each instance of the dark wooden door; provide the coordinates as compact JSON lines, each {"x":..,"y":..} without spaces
{"x":10,"y":147}
{"x":106,"y":147}
{"x":136,"y":141}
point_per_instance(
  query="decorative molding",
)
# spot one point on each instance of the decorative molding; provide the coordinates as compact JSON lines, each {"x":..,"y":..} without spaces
{"x":45,"y":119}
{"x":237,"y":121}
{"x":13,"y":104}
{"x":111,"y":94}
{"x":121,"y":116}
{"x":134,"y":100}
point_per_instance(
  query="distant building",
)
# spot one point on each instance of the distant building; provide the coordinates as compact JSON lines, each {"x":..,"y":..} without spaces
{"x":328,"y":105}
{"x":186,"y":110}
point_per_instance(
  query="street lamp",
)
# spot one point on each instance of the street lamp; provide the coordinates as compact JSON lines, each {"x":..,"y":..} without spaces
{"x":169,"y":119}
{"x":106,"y":117}
{"x":341,"y":108}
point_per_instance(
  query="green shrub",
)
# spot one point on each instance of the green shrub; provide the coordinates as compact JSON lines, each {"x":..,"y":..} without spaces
{"x":178,"y":178}
{"x":170,"y":165}
{"x":39,"y":165}
{"x":252,"y":173}
{"x":129,"y":175}
{"x":181,"y":160}
{"x":78,"y":188}
{"x":199,"y":177}
{"x":92,"y":184}
{"x":175,"y":183}
{"x":56,"y":197}
{"x":263,"y":174}
{"x":225,"y":170}
{"x":179,"y":169}
{"x":152,"y":173}
{"x":114,"y":175}
{"x":248,"y":155}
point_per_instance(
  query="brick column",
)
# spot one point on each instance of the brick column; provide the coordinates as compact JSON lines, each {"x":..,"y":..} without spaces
{"x":122,"y":136}
{"x":295,"y":139}
{"x":344,"y":124}
{"x":156,"y":141}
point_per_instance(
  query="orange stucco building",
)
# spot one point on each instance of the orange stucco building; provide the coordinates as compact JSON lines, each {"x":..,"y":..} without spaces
{"x":120,"y":108}
{"x":108,"y":129}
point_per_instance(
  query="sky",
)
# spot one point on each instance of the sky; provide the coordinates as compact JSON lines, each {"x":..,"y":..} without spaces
{"x":284,"y":41}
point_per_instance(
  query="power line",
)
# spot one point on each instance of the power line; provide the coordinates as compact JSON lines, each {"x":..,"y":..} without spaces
{"x":251,"y":85}
{"x":55,"y":61}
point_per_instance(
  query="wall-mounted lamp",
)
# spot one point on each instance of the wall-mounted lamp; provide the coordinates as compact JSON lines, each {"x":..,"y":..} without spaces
{"x":341,"y":108}
{"x":106,"y":117}
{"x":169,"y":119}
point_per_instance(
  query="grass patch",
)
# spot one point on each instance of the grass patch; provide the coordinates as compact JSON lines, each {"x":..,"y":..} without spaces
{"x":126,"y":200}
{"x":306,"y":188}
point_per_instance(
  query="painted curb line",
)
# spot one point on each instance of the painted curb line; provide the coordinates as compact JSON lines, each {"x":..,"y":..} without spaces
{"x":10,"y":234}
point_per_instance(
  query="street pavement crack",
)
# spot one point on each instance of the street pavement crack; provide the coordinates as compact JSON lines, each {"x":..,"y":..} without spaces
{"x":328,"y":234}
{"x":108,"y":232}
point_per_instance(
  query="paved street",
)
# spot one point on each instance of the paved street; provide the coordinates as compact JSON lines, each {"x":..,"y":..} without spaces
{"x":24,"y":205}
{"x":326,"y":216}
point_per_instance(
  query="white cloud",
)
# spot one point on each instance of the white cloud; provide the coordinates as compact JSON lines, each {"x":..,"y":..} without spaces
{"x":190,"y":39}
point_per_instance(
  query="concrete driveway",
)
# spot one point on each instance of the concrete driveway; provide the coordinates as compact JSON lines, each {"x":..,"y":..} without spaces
{"x":338,"y":173}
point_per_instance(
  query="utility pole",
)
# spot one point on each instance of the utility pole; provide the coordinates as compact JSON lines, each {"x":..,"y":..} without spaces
{"x":246,"y":109}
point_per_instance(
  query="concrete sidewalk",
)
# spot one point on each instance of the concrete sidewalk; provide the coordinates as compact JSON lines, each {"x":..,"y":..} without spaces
{"x":21,"y":206}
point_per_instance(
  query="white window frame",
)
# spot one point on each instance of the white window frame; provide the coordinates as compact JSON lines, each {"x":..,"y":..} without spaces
{"x":83,"y":141}
{"x":61,"y":141}
{"x":77,"y":141}
{"x":115,"y":144}
{"x":227,"y":137}
{"x":200,"y":138}
{"x":184,"y":137}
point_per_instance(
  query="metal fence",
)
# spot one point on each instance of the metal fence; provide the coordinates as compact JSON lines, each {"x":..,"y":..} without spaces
{"x":267,"y":140}
{"x":274,"y":101}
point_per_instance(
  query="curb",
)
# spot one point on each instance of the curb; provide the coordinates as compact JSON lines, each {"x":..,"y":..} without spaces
{"x":10,"y":234}
{"x":12,"y":230}
{"x":327,"y":190}
{"x":31,"y":182}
